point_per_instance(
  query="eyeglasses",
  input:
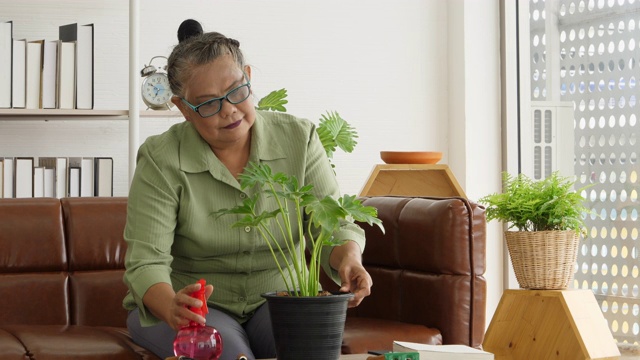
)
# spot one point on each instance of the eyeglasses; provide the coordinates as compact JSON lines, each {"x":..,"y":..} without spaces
{"x":213,"y":106}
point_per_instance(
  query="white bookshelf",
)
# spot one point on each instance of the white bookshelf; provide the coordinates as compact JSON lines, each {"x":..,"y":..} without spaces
{"x":117,"y":124}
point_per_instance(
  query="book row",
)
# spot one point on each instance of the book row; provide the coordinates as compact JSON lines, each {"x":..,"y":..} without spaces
{"x":25,"y":177}
{"x":47,"y":74}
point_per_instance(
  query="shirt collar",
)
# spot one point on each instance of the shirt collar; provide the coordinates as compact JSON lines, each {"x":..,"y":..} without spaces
{"x":196,"y":155}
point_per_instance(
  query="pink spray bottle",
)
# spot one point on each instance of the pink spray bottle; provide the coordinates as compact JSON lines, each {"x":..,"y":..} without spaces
{"x":196,"y":341}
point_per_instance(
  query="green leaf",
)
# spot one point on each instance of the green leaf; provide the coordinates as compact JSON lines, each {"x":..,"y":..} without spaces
{"x":274,"y":101}
{"x":247,"y":208}
{"x":334,"y":132}
{"x":326,"y":213}
{"x":359,"y":212}
{"x":255,"y":174}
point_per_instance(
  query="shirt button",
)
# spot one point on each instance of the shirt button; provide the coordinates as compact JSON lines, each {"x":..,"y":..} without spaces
{"x":242,"y":195}
{"x":242,"y":299}
{"x":247,"y":228}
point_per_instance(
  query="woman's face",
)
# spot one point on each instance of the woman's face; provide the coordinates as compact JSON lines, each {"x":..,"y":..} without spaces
{"x":232,"y":123}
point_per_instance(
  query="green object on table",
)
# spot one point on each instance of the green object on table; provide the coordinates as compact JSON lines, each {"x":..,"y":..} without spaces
{"x":402,"y":356}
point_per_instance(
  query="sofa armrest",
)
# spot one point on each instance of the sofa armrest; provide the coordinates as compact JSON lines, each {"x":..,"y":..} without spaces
{"x":428,"y":266}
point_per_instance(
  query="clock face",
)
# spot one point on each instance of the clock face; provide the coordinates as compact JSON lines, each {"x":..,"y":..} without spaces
{"x":155,"y":91}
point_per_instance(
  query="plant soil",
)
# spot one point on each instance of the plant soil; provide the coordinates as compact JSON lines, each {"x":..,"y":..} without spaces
{"x":286,"y":293}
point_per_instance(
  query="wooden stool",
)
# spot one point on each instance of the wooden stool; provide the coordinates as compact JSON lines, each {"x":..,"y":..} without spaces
{"x":549,"y":324}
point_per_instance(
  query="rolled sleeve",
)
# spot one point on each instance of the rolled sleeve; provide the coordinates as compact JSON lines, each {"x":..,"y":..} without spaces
{"x":149,"y":233}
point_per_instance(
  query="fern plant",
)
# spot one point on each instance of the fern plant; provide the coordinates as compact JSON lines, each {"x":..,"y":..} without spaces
{"x":528,"y":205}
{"x":334,"y":132}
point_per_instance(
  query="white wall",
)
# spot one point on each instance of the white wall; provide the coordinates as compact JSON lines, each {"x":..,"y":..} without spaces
{"x":474,"y":116}
{"x":408,"y":74}
{"x":378,"y":64}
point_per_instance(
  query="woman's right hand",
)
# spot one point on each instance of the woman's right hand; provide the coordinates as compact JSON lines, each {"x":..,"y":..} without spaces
{"x":172,"y":307}
{"x":179,"y":313}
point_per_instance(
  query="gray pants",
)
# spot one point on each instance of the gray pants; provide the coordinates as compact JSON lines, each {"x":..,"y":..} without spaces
{"x":253,"y":338}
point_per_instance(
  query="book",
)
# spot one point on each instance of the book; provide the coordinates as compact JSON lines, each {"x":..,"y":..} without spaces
{"x":6,"y":39}
{"x":443,"y":352}
{"x":59,"y":167}
{"x":48,"y":75}
{"x":18,"y":73}
{"x":66,"y":76}
{"x":103,"y":176}
{"x":33,"y":69}
{"x":85,"y":164}
{"x":74,"y":181}
{"x":38,"y":182}
{"x":23,"y":177}
{"x":49,"y":183}
{"x":7,"y":174}
{"x":83,"y":36}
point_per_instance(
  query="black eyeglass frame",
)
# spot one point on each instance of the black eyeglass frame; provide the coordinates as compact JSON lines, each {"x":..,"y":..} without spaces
{"x":196,"y":108}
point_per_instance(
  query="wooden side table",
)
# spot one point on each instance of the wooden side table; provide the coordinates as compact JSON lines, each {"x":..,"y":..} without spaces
{"x":549,"y":324}
{"x":412,"y":180}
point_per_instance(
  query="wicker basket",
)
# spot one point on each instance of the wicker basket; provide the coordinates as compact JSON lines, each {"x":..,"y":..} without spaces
{"x":543,"y":259}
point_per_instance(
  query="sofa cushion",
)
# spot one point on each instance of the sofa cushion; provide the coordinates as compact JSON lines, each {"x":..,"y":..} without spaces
{"x":96,"y":298}
{"x":12,"y":348}
{"x":94,"y":229}
{"x":50,"y":342}
{"x":33,"y":262}
{"x":42,"y":298}
{"x":364,"y":334}
{"x":28,"y":225}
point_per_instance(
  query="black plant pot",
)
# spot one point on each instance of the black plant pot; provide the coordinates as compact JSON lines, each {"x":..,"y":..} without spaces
{"x":310,"y":327}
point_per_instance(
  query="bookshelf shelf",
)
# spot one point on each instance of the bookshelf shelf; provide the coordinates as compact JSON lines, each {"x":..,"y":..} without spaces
{"x":160,"y":113}
{"x":58,"y":114}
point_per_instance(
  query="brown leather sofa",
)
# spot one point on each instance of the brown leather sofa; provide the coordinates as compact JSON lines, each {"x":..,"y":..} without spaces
{"x":61,"y":289}
{"x":62,"y":261}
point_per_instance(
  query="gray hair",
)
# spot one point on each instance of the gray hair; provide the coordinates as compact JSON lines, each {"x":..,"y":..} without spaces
{"x":199,"y":50}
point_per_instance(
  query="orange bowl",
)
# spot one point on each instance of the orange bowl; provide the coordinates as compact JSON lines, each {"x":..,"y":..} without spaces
{"x":410,"y":157}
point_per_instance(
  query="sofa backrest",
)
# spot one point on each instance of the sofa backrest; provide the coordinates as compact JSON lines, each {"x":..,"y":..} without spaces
{"x":94,"y":229}
{"x":62,"y":261}
{"x":427,"y":268}
{"x":33,"y":263}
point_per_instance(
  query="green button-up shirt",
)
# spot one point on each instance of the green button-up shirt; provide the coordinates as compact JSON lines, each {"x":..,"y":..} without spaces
{"x":179,"y":182}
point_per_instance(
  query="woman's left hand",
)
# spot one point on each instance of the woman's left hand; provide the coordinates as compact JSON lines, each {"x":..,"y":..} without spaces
{"x":355,"y":279}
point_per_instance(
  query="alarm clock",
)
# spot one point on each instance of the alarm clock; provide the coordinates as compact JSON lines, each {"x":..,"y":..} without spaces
{"x":155,"y":89}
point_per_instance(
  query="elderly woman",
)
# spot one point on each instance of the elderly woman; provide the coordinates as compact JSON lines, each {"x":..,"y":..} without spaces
{"x":191,"y":171}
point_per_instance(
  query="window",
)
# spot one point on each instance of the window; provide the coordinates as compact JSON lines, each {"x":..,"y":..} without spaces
{"x":584,"y":58}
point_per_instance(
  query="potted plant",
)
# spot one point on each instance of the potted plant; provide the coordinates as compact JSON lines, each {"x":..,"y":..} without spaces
{"x":549,"y":217}
{"x":297,"y":214}
{"x":296,"y":334}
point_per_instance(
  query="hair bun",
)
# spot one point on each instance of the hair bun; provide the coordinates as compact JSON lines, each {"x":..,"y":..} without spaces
{"x":233,"y":42}
{"x":188,"y":29}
